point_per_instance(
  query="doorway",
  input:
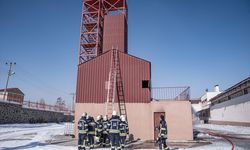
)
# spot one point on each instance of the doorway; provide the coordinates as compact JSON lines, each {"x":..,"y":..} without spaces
{"x":157,"y":123}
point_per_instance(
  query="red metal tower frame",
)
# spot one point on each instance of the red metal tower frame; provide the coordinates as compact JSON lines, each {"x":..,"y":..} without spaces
{"x":92,"y":24}
{"x":91,"y":30}
{"x":115,"y":7}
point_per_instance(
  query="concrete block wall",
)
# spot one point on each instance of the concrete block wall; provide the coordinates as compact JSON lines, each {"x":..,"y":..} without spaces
{"x":13,"y":113}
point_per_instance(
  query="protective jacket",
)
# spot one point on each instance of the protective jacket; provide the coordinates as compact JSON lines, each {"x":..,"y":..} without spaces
{"x":123,"y":128}
{"x":163,"y":129}
{"x":114,"y":124}
{"x":105,"y":125}
{"x":91,"y":126}
{"x":99,"y":127}
{"x":83,"y":125}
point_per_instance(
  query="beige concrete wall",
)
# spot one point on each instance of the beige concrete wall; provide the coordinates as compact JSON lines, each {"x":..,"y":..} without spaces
{"x":141,"y":118}
{"x":178,"y":117}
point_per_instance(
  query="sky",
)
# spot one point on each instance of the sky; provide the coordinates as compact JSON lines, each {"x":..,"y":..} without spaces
{"x":196,"y":43}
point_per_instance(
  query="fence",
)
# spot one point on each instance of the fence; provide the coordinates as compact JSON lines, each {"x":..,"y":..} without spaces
{"x":34,"y":105}
{"x":43,"y":106}
{"x":69,"y":128}
{"x":170,"y":93}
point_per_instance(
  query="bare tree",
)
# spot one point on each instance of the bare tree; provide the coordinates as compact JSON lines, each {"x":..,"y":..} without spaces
{"x":60,"y":104}
{"x":42,"y":103}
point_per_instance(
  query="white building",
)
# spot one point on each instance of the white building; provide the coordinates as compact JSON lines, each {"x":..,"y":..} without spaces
{"x":196,"y":107}
{"x":232,"y":106}
{"x":205,"y":103}
{"x":205,"y":99}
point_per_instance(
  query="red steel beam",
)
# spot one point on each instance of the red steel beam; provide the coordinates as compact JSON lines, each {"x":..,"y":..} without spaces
{"x":92,"y":23}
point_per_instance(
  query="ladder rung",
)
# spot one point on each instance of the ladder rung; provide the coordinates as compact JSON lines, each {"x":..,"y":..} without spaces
{"x":115,"y":80}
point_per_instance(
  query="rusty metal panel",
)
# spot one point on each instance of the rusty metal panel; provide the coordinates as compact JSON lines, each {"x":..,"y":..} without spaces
{"x":115,"y":33}
{"x":93,"y":74}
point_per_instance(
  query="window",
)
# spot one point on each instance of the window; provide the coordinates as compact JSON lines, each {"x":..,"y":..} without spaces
{"x":237,"y":94}
{"x":245,"y":91}
{"x":145,"y":83}
{"x":222,"y":100}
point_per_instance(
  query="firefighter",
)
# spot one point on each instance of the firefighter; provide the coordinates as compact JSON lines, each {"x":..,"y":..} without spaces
{"x":123,"y":130}
{"x":114,"y":132}
{"x":91,"y":132}
{"x":162,"y":136}
{"x":99,"y":130}
{"x":105,"y":124}
{"x":82,"y":133}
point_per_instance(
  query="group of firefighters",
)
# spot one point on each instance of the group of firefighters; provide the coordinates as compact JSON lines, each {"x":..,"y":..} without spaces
{"x":112,"y":132}
{"x":103,"y":132}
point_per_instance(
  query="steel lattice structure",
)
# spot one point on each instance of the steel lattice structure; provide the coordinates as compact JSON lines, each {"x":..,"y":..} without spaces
{"x":92,"y":24}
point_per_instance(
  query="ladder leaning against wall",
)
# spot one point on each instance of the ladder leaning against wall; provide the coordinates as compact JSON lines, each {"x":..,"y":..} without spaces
{"x":115,"y":86}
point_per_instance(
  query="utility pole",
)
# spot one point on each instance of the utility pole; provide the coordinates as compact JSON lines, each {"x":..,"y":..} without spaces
{"x":73,"y":101}
{"x":10,"y":73}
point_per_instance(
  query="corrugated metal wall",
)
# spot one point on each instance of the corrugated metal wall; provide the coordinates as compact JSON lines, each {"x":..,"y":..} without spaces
{"x":115,"y":32}
{"x":93,"y":74}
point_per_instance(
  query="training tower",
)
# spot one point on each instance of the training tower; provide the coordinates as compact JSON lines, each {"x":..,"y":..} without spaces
{"x":104,"y":28}
{"x":109,"y":78}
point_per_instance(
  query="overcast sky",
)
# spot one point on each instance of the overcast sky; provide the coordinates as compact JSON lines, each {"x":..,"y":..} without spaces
{"x":196,"y":43}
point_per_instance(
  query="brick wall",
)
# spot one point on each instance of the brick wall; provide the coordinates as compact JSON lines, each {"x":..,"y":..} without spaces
{"x":13,"y":113}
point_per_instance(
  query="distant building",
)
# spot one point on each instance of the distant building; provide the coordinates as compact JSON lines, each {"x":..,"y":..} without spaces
{"x":196,"y":105}
{"x":206,"y":103}
{"x":12,"y":95}
{"x":232,"y":106}
{"x":205,"y":99}
{"x":196,"y":108}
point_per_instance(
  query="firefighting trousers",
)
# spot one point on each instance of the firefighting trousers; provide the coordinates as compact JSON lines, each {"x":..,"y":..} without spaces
{"x":115,"y":140}
{"x":163,"y":144}
{"x":106,"y":141}
{"x":123,"y":138}
{"x":82,"y":140}
{"x":91,"y":138}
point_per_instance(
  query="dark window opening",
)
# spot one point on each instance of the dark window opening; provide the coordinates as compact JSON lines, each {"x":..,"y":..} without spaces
{"x":245,"y":91}
{"x":145,"y":84}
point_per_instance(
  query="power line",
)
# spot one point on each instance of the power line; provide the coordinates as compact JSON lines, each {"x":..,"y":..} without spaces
{"x":10,"y":73}
{"x":41,"y":82}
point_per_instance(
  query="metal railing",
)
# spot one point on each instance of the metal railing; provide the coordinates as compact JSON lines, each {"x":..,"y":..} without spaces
{"x":170,"y":93}
{"x":42,"y":106}
{"x":35,"y":105}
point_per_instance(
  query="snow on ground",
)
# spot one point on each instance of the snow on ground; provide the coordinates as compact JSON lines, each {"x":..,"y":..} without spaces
{"x":35,"y":137}
{"x":224,"y":128}
{"x":27,"y":136}
{"x":220,"y":143}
